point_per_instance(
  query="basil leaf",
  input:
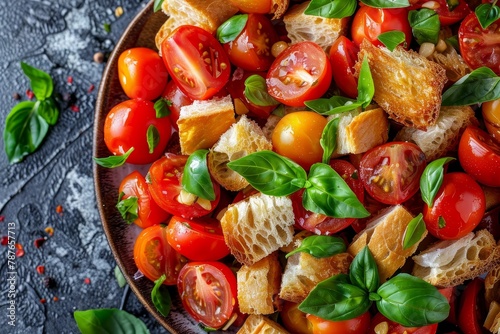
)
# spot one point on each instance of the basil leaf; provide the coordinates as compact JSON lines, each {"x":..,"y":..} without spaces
{"x":328,"y":139}
{"x":432,"y":179}
{"x":452,"y":4}
{"x":24,"y":130}
{"x":108,"y":321}
{"x":128,"y":208}
{"x":487,"y":14}
{"x":161,"y":107}
{"x":48,"y":111}
{"x":332,"y":9}
{"x":325,"y":106}
{"x":348,"y":106}
{"x":425,"y":25}
{"x":328,"y":194}
{"x":441,"y":222}
{"x":411,"y":301}
{"x":481,"y":85}
{"x":107,"y":27}
{"x":334,"y":299}
{"x":391,"y":39}
{"x":320,"y":246}
{"x":113,"y":161}
{"x":120,"y":279}
{"x":414,"y":231}
{"x":196,"y":177}
{"x":229,"y":30}
{"x":363,"y":271}
{"x":152,"y":137}
{"x":160,"y":296}
{"x":256,"y":91}
{"x":41,"y":83}
{"x":157,"y":5}
{"x":453,"y":41}
{"x":366,"y":88}
{"x":270,"y":173}
{"x":386,"y":3}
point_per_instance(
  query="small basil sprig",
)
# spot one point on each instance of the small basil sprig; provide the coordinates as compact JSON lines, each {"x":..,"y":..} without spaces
{"x":391,"y":39}
{"x":481,"y":85}
{"x":162,"y":107}
{"x":196,"y":177}
{"x":328,"y":140}
{"x":157,"y":5}
{"x":425,"y":25}
{"x":109,"y":321}
{"x":432,"y":179}
{"x":414,"y":231}
{"x":160,"y":296}
{"x":256,"y":91}
{"x":486,"y":14}
{"x":128,"y":208}
{"x":325,"y":190}
{"x":320,"y":246}
{"x":332,"y":9}
{"x":113,"y":161}
{"x":386,"y":3}
{"x":229,"y":30}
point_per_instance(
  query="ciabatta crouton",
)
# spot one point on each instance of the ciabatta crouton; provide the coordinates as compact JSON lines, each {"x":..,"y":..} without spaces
{"x":492,"y":321}
{"x":259,"y":324}
{"x":492,"y":285}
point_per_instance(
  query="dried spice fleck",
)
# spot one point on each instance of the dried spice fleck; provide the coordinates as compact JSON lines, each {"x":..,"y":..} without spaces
{"x":16,"y":96}
{"x":118,"y":11}
{"x":43,"y":300}
{"x":4,"y":241}
{"x":99,"y":57}
{"x":66,"y":97}
{"x":86,"y":280}
{"x":29,"y":94}
{"x":91,"y":88}
{"x":49,"y":230}
{"x":70,"y":80}
{"x":39,"y":242}
{"x":49,"y":282}
{"x":74,"y":108}
{"x":59,"y":209}
{"x":2,"y":218}
{"x":55,"y":298}
{"x":19,"y":250}
{"x":40,"y":269}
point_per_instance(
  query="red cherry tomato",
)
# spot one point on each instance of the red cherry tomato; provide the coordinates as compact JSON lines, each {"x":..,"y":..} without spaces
{"x":165,"y":187}
{"x":196,"y":61}
{"x":343,"y":56}
{"x":300,"y":73}
{"x":148,"y":212}
{"x":177,"y":99}
{"x":142,"y":73}
{"x":458,"y":207}
{"x":479,"y":155}
{"x":155,"y":257}
{"x":491,"y":116}
{"x":446,"y":17}
{"x":358,"y":325}
{"x":253,"y":6}
{"x":251,"y":50}
{"x":478,"y":46}
{"x":294,"y":319}
{"x":198,"y":240}
{"x":391,"y":172}
{"x":127,"y":125}
{"x":370,"y":22}
{"x":395,"y":328}
{"x":472,"y":311}
{"x":208,"y":292}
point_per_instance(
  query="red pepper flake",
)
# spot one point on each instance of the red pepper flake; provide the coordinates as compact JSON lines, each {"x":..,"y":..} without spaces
{"x":19,"y":250}
{"x":5,"y":240}
{"x":40,"y":270}
{"x":91,"y":88}
{"x":70,"y":80}
{"x":29,"y":94}
{"x":43,"y":300}
{"x":55,"y":298}
{"x":86,"y":280}
{"x":39,"y":242}
{"x":2,"y":218}
{"x":59,"y":209}
{"x":49,"y":230}
{"x":74,"y":108}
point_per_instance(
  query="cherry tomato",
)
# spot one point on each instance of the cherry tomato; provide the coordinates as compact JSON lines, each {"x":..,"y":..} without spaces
{"x":196,"y":61}
{"x":198,"y":240}
{"x":155,"y":257}
{"x":395,"y":328}
{"x":370,"y":22}
{"x":343,"y":56}
{"x":446,"y":17}
{"x":391,"y":172}
{"x":300,"y":73}
{"x":127,"y":125}
{"x":208,"y":292}
{"x":142,"y":73}
{"x":253,"y":6}
{"x":472,"y":310}
{"x":358,"y":325}
{"x":458,"y":207}
{"x":451,"y":294}
{"x":297,"y":135}
{"x":491,"y":116}
{"x":478,"y":46}
{"x":251,"y":50}
{"x":177,"y":99}
{"x":294,"y":319}
{"x":148,"y":212}
{"x":479,"y":156}
{"x":166,"y":189}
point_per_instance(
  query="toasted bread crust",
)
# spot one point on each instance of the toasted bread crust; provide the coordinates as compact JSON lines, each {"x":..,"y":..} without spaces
{"x":278,"y":8}
{"x":259,"y":324}
{"x":492,"y":285}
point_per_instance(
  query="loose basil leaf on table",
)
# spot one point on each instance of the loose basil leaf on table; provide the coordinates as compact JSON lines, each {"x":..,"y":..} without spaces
{"x":363,"y":271}
{"x":128,"y":208}
{"x":256,"y":91}
{"x":332,"y":9}
{"x":229,"y":30}
{"x":386,"y":3}
{"x":328,"y":140}
{"x":414,"y":231}
{"x":196,"y":177}
{"x":109,"y":321}
{"x":41,"y":83}
{"x":161,"y":297}
{"x":120,"y":279}
{"x":391,"y":39}
{"x":162,"y":107}
{"x":425,"y":25}
{"x":486,"y":14}
{"x":114,"y":161}
{"x":48,"y":110}
{"x":432,"y":179}
{"x":320,"y":246}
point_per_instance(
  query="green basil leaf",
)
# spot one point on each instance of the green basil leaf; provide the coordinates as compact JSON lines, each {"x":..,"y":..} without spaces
{"x":229,"y":30}
{"x":452,"y":4}
{"x":196,"y":177}
{"x":41,"y":83}
{"x":320,"y":246}
{"x":425,"y":25}
{"x":328,"y":194}
{"x":441,"y":222}
{"x":24,"y":130}
{"x":334,"y":299}
{"x":332,"y":9}
{"x":162,"y":107}
{"x":328,"y":139}
{"x":161,"y":297}
{"x":280,"y":111}
{"x":414,"y":231}
{"x":157,"y":5}
{"x":128,"y":208}
{"x":432,"y":179}
{"x":48,"y":111}
{"x":120,"y":279}
{"x":270,"y":173}
{"x":386,"y":3}
{"x":256,"y":91}
{"x":325,"y":106}
{"x":152,"y":137}
{"x":481,"y":85}
{"x":108,"y":321}
{"x":113,"y":161}
{"x":453,"y":41}
{"x":107,"y":27}
{"x":392,"y":38}
{"x":366,"y":88}
{"x":412,"y":302}
{"x":486,"y":14}
{"x":363,"y":271}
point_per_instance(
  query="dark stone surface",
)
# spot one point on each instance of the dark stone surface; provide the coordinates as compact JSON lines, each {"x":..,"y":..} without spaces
{"x":59,"y":37}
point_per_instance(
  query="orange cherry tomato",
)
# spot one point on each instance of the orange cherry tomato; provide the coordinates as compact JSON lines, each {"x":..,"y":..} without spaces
{"x":358,"y":325}
{"x":491,"y":116}
{"x":294,"y":319}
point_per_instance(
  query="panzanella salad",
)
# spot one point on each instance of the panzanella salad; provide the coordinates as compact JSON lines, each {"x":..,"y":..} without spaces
{"x":316,"y":167}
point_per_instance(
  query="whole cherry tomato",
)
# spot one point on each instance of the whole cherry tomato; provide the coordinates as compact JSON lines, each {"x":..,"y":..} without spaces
{"x":176,"y":99}
{"x":472,"y":311}
{"x":491,"y":116}
{"x":358,"y":325}
{"x":253,"y":6}
{"x":294,"y":319}
{"x":395,"y":328}
{"x":343,"y":56}
{"x":442,"y":8}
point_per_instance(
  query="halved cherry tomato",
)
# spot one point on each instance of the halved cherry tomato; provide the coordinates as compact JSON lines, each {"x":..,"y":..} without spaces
{"x":251,"y":50}
{"x":166,"y":189}
{"x":478,"y":46}
{"x":196,"y":61}
{"x":441,"y":7}
{"x":142,"y":73}
{"x":148,"y":212}
{"x":155,"y":257}
{"x":294,"y":319}
{"x":358,"y":325}
{"x":395,"y":328}
{"x":458,"y":207}
{"x":208,"y":292}
{"x":343,"y":56}
{"x":253,"y":6}
{"x":491,"y":116}
{"x":472,"y":308}
{"x":391,"y":172}
{"x":300,"y":73}
{"x":479,"y":155}
{"x":127,"y":125}
{"x":198,"y":240}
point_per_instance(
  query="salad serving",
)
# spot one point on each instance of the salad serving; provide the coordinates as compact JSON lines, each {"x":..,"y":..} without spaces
{"x":314,"y":167}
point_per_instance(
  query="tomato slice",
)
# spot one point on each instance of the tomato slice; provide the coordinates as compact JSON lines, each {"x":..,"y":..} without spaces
{"x":208,"y":292}
{"x":300,"y":73}
{"x":471,"y":308}
{"x":196,"y":61}
{"x":391,"y":172}
{"x":446,"y":16}
{"x":343,"y":56}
